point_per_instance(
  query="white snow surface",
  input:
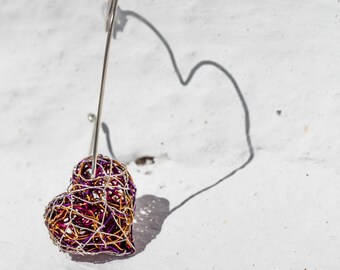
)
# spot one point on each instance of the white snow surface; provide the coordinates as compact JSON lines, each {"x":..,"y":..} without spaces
{"x":280,"y":210}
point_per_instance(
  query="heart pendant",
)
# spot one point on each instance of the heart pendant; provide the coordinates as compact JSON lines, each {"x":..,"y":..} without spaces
{"x":96,"y":214}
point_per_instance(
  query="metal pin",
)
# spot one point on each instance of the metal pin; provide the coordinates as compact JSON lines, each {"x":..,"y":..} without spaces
{"x":110,"y":23}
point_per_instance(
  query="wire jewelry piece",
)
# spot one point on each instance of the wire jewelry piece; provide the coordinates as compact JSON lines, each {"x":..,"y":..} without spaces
{"x":95,"y":215}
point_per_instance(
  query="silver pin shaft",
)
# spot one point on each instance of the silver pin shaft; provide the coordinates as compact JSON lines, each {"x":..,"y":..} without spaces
{"x":110,"y":25}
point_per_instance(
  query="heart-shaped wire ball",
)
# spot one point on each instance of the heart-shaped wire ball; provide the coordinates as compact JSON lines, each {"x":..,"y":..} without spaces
{"x":95,"y":215}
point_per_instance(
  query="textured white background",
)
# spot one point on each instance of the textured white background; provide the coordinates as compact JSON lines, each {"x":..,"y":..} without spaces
{"x":280,"y":212}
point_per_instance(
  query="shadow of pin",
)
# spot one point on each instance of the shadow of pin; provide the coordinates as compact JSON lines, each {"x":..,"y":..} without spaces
{"x":151,"y":211}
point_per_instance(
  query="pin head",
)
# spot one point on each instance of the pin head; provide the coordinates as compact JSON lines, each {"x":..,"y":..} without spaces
{"x":91,"y":117}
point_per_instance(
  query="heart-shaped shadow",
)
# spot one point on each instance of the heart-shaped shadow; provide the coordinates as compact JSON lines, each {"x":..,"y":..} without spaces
{"x":151,"y":211}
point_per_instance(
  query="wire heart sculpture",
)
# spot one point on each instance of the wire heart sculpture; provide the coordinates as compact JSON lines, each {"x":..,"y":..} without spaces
{"x":95,"y":215}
